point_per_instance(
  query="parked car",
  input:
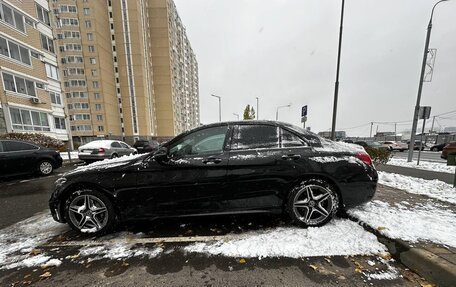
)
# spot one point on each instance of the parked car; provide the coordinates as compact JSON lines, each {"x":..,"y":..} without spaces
{"x":438,"y":147}
{"x":103,"y":149}
{"x":145,"y":146}
{"x":223,"y":168}
{"x":416,"y":145}
{"x":21,"y":157}
{"x":395,"y":146}
{"x":371,"y":144}
{"x":449,"y":148}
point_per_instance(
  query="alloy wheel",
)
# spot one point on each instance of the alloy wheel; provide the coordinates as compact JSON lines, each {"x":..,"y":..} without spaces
{"x":45,"y":167}
{"x":313,"y":204}
{"x":88,"y":213}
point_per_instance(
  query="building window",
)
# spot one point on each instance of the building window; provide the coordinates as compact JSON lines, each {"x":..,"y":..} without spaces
{"x":69,"y":22}
{"x":74,"y":83}
{"x":76,"y":95}
{"x":29,"y":120}
{"x":97,"y":107}
{"x":99,"y":118}
{"x":89,"y":36}
{"x":80,"y":117}
{"x":95,"y":84}
{"x":55,"y":98}
{"x":18,"y":85}
{"x":91,"y":48}
{"x":94,"y":73}
{"x":52,"y":71}
{"x":69,"y":35}
{"x":86,"y":11}
{"x":93,"y":61}
{"x":47,"y":43}
{"x":96,"y":96}
{"x":12,"y":17}
{"x":14,"y":51}
{"x":100,"y":128}
{"x":67,"y":9}
{"x":81,"y":128}
{"x":59,"y":123}
{"x":88,"y":24}
{"x":43,"y":15}
{"x":78,"y":106}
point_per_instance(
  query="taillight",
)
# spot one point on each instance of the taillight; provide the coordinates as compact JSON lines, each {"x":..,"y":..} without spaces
{"x":101,"y":150}
{"x":364,"y":157}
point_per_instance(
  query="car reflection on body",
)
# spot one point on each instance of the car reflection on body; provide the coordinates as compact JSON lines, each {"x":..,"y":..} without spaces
{"x":224,"y":168}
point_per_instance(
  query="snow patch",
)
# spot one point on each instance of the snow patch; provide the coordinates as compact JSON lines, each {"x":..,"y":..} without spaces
{"x":107,"y":163}
{"x":432,"y":188}
{"x":339,"y":237}
{"x":424,"y":165}
{"x":423,"y":222}
{"x":332,"y":146}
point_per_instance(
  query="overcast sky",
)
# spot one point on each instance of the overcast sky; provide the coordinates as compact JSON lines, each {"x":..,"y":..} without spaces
{"x":286,"y":51}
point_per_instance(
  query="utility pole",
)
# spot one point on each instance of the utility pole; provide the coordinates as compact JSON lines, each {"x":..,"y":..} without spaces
{"x":370,"y":134}
{"x":395,"y":131}
{"x":220,"y":106}
{"x":257,"y":111}
{"x":432,"y":126}
{"x":420,"y":86}
{"x":336,"y":85}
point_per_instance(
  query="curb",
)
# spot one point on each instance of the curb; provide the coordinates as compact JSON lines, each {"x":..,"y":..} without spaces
{"x":417,"y":259}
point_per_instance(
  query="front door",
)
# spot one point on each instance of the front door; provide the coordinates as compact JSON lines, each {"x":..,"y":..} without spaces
{"x":193,"y":172}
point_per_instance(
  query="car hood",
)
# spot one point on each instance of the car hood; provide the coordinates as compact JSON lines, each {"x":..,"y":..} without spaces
{"x":107,"y":164}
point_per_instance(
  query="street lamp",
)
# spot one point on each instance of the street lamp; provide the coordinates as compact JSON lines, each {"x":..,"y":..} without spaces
{"x":237,"y":115}
{"x":220,"y":106}
{"x":257,"y":111}
{"x":279,"y":107}
{"x":420,"y":86}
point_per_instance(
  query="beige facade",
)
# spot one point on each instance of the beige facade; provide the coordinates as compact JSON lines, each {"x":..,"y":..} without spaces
{"x":31,"y":95}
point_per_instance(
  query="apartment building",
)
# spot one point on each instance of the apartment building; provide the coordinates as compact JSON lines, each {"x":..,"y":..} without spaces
{"x":118,"y":81}
{"x":30,"y":88}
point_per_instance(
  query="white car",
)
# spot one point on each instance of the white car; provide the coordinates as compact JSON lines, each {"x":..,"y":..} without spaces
{"x":392,"y":145}
{"x":103,"y":149}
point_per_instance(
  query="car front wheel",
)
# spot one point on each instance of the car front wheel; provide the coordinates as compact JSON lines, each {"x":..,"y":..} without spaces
{"x":45,"y":167}
{"x":90,"y":212}
{"x":312,"y":203}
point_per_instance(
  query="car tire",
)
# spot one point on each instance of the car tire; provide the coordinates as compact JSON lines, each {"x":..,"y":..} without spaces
{"x":314,"y":202}
{"x":434,"y":149}
{"x":114,"y":155}
{"x":45,"y":167}
{"x":90,"y":212}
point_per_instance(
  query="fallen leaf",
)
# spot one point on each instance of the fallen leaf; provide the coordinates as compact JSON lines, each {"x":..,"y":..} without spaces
{"x":35,"y":252}
{"x":242,"y":260}
{"x":358,"y":270}
{"x":358,"y":265}
{"x":328,"y":260}
{"x":27,"y":276}
{"x":125,"y":264}
{"x":426,"y":285}
{"x":380,"y":228}
{"x":313,"y":267}
{"x":46,"y":275}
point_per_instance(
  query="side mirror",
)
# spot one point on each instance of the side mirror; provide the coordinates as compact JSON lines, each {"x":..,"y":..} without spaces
{"x":161,"y":154}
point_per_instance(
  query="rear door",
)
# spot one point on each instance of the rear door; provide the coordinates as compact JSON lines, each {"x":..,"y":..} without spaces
{"x":262,"y":166}
{"x":20,"y":157}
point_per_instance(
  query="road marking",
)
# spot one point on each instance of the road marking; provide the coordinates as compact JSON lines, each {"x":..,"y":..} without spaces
{"x":143,"y":240}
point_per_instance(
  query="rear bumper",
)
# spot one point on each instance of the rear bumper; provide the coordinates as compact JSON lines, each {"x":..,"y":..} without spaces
{"x":356,"y":193}
{"x":93,"y":156}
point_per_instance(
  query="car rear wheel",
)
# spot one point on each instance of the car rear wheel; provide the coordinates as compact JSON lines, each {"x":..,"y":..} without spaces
{"x":45,"y":167}
{"x":434,"y":149}
{"x":114,"y":155}
{"x":90,"y":212}
{"x":313,"y":203}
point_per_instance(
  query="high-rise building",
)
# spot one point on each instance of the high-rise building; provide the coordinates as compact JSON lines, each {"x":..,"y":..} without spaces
{"x":121,"y":78}
{"x":30,"y":88}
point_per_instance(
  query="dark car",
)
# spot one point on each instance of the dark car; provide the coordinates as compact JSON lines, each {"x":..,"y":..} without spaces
{"x":146,"y":146}
{"x":21,"y":157}
{"x":450,"y":148}
{"x":224,"y":168}
{"x":438,"y":147}
{"x":371,"y":144}
{"x":417,"y":145}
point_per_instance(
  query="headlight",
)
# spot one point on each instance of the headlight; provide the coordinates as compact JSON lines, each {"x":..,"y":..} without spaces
{"x":60,"y":181}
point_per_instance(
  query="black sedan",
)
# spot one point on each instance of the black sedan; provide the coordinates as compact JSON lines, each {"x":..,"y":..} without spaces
{"x":223,"y":168}
{"x":21,"y":157}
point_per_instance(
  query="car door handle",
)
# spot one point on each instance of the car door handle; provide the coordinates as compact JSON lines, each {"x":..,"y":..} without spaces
{"x":291,"y":156}
{"x":212,"y":160}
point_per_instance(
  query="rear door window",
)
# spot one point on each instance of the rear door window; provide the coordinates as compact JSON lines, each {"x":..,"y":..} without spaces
{"x":115,"y":144}
{"x":18,"y":146}
{"x":255,"y":136}
{"x":1,"y":147}
{"x":124,"y":145}
{"x":289,"y":139}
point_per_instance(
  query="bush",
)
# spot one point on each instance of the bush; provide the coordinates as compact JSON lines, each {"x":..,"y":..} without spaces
{"x":379,"y":156}
{"x":38,"y":139}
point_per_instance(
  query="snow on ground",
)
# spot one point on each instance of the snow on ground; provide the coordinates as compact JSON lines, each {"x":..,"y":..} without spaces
{"x":339,"y":237}
{"x":425,"y":165}
{"x":422,"y":222}
{"x":433,"y":188}
{"x":18,"y":241}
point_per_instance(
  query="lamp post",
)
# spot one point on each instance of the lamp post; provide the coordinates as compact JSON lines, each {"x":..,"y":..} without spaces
{"x":336,"y":85}
{"x":220,"y":106}
{"x":279,"y":107}
{"x":257,"y":111}
{"x":420,"y":86}
{"x":237,"y":115}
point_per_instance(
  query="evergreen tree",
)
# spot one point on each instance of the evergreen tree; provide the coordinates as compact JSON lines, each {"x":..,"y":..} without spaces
{"x":249,"y":113}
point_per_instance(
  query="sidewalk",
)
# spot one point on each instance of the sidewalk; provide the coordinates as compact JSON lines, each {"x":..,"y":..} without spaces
{"x":426,"y":174}
{"x":435,"y":261}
